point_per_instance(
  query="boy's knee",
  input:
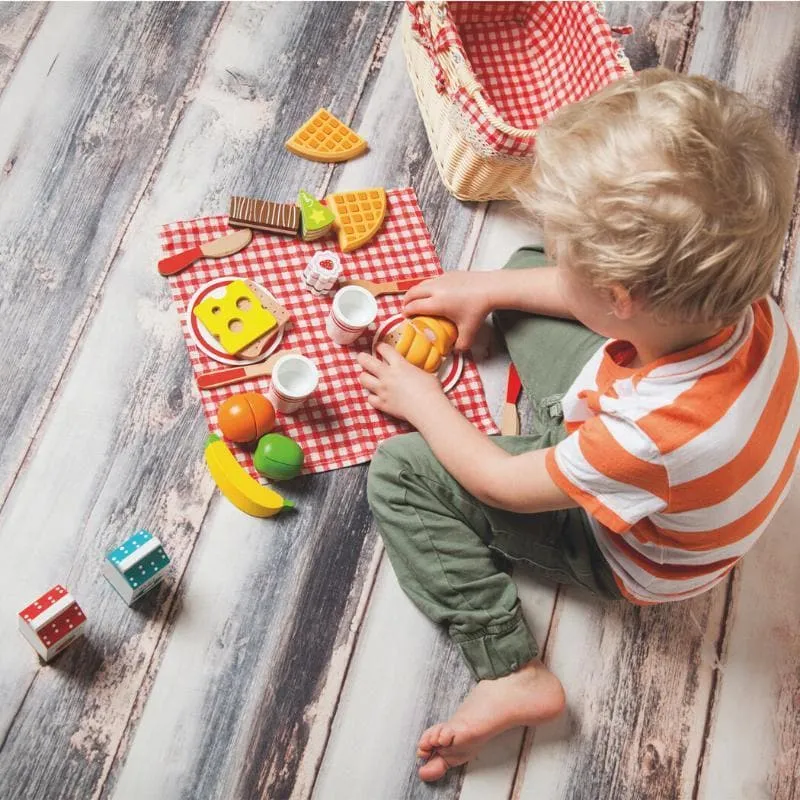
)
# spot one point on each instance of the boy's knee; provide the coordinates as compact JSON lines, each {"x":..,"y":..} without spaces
{"x":407,"y":451}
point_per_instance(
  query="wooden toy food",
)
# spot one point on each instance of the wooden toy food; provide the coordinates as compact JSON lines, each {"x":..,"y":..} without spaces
{"x":425,"y":341}
{"x":359,"y":216}
{"x":264,"y":215}
{"x":51,"y":622}
{"x":224,"y":377}
{"x":376,"y":289}
{"x":244,"y":491}
{"x":216,"y":248}
{"x":136,"y":566}
{"x":323,"y":137}
{"x":236,"y":317}
{"x":245,"y":417}
{"x":315,"y":219}
{"x":278,"y":457}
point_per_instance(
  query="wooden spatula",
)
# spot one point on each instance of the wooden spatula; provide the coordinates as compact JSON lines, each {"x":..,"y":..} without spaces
{"x":216,"y":248}
{"x":223,"y":377}
{"x":387,"y":287}
{"x":509,"y":423}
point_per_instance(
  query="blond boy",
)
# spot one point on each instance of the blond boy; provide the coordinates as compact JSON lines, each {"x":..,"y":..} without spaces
{"x":663,"y":378}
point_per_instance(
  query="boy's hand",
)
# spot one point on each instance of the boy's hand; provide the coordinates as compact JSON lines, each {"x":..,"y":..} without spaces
{"x":462,"y":297}
{"x":395,"y":386}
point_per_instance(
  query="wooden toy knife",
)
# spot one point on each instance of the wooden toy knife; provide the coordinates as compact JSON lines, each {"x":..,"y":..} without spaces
{"x":387,"y":287}
{"x":509,"y":423}
{"x":223,"y":377}
{"x":216,"y":248}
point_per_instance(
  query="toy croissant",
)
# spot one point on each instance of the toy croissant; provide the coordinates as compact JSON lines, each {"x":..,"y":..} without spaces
{"x":425,"y":341}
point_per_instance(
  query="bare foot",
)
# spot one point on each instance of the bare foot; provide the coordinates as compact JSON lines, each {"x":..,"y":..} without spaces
{"x":526,"y":697}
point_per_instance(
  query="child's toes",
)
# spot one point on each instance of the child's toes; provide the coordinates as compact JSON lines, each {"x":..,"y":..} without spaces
{"x":430,"y":737}
{"x":446,"y":736}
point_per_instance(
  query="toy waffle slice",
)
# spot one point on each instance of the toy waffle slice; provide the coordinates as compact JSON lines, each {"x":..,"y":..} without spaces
{"x":282,"y":317}
{"x":325,"y":138}
{"x":359,"y":216}
{"x":264,"y":215}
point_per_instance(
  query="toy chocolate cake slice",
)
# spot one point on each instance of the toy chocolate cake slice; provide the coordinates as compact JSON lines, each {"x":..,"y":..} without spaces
{"x":264,"y":215}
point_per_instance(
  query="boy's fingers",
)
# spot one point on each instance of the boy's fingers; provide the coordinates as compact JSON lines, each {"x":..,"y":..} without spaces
{"x":369,"y":363}
{"x":417,"y":292}
{"x":389,"y":354}
{"x":369,"y":382}
{"x":425,"y":305}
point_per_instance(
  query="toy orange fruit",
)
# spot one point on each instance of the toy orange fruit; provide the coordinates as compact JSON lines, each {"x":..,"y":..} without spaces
{"x":425,"y":341}
{"x":245,"y":417}
{"x":325,"y":138}
{"x":359,"y":216}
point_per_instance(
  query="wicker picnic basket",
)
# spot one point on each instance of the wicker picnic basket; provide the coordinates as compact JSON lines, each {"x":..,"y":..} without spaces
{"x":487,"y":74}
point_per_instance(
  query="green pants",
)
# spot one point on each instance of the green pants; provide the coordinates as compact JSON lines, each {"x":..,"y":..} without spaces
{"x":450,"y":552}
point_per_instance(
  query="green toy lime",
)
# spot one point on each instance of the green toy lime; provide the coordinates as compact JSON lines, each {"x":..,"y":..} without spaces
{"x":278,"y":457}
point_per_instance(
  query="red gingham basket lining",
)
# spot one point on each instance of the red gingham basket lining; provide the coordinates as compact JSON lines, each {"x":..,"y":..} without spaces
{"x":530,"y":59}
{"x":337,"y":428}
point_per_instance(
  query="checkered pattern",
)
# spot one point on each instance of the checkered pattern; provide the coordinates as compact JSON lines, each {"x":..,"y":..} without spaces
{"x":337,"y":428}
{"x":529,"y":58}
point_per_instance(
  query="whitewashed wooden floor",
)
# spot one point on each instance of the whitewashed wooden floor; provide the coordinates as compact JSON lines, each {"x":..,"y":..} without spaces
{"x":281,"y":660}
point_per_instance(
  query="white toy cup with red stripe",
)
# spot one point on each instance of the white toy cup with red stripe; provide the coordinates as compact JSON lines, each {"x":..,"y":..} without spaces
{"x":354,"y":309}
{"x":51,"y":622}
{"x":294,"y":380}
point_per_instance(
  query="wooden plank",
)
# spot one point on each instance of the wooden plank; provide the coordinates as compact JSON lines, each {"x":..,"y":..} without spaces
{"x":286,"y":621}
{"x":492,"y":773}
{"x":645,"y":698}
{"x":18,"y":24}
{"x":55,"y":248}
{"x":428,"y":679}
{"x":102,"y":112}
{"x":127,"y":422}
{"x":663,"y":34}
{"x":753,"y":731}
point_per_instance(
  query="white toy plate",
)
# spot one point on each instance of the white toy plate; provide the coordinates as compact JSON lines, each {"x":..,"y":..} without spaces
{"x":451,"y":367}
{"x":206,"y":341}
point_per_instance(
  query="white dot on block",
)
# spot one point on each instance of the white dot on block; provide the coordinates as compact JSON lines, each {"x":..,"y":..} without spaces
{"x":134,"y":584}
{"x":50,"y":598}
{"x":47,"y":642}
{"x":38,"y":605}
{"x":152,"y":563}
{"x":55,"y":630}
{"x":26,"y":616}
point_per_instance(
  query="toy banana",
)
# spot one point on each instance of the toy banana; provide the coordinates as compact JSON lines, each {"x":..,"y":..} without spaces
{"x":244,"y":491}
{"x":425,"y":341}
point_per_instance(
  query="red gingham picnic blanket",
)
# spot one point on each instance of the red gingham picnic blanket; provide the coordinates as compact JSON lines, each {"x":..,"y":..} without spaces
{"x":337,"y":427}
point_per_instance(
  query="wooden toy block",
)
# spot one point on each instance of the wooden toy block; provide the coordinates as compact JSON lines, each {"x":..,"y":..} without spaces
{"x":136,"y":566}
{"x":51,"y":622}
{"x":359,"y":216}
{"x":509,"y":424}
{"x":237,"y":318}
{"x":264,"y":215}
{"x":323,"y":137}
{"x":282,"y":317}
{"x":315,"y":219}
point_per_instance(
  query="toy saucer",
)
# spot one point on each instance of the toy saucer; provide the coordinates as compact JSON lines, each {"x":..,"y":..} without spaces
{"x":452,"y":365}
{"x":207,"y":342}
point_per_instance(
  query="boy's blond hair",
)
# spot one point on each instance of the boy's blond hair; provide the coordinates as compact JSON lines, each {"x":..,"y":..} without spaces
{"x":671,"y":185}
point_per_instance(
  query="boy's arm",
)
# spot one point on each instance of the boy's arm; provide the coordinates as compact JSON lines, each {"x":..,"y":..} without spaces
{"x":518,"y":483}
{"x":533,"y":290}
{"x":467,"y":297}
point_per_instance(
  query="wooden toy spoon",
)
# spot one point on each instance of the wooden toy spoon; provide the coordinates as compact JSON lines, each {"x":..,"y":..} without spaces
{"x":387,"y":287}
{"x":216,"y":248}
{"x":223,"y":377}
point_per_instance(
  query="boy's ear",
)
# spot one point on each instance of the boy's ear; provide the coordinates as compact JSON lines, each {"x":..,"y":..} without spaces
{"x":621,"y":301}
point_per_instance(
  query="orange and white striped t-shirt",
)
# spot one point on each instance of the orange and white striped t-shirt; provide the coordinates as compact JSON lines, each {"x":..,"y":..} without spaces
{"x":682,"y":463}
